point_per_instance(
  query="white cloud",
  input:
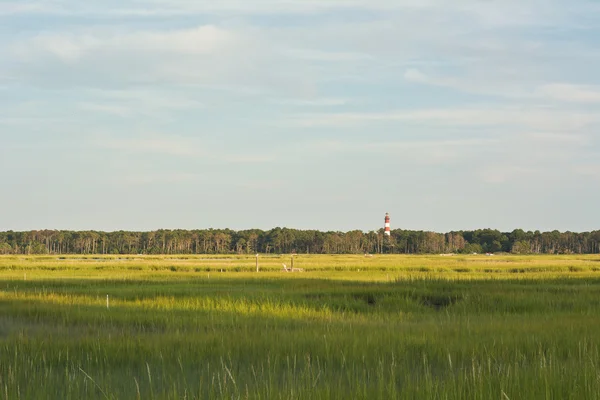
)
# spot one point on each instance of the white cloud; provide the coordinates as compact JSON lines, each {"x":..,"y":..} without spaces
{"x":186,"y":7}
{"x":160,"y":178}
{"x":504,"y":173}
{"x":592,"y":170}
{"x":314,"y":102}
{"x":414,"y":152}
{"x":328,"y":56}
{"x":240,"y":52}
{"x":533,"y":91}
{"x":159,"y":144}
{"x":208,"y":55}
{"x":549,"y":119}
{"x":414,"y":75}
{"x":566,"y":138}
{"x":25,"y":7}
{"x":72,"y":47}
{"x":570,"y":93}
{"x":36,"y":122}
{"x":106,"y":108}
{"x":180,"y":146}
{"x":135,"y":102}
{"x":414,"y":144}
{"x":490,"y":86}
{"x":507,"y":13}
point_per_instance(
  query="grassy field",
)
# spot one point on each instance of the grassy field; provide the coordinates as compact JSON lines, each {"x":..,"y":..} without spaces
{"x":381,"y":327}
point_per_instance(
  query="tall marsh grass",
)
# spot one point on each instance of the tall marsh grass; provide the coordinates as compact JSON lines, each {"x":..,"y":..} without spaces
{"x":321,"y":334}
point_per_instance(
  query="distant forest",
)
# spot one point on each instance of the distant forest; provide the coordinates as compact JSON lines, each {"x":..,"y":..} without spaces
{"x":283,"y":240}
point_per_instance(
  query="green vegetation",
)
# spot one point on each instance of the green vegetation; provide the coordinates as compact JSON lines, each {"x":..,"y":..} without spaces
{"x":200,"y":327}
{"x":278,"y":240}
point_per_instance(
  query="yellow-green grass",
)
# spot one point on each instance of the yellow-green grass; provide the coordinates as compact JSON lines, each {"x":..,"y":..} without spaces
{"x":378,"y":327}
{"x":351,"y":267}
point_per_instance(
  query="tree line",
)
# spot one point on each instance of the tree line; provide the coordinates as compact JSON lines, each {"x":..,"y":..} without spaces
{"x":284,"y":240}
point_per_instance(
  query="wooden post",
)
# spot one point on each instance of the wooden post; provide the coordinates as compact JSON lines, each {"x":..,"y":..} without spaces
{"x":107,"y":302}
{"x":256,"y":262}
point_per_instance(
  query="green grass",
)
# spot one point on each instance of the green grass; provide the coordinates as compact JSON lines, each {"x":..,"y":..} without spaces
{"x":409,"y":327}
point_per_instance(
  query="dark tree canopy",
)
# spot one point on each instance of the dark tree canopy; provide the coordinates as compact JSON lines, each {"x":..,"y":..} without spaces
{"x":284,"y":240}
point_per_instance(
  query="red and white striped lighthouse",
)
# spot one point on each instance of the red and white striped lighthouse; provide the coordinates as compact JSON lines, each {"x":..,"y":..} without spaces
{"x":388,"y":228}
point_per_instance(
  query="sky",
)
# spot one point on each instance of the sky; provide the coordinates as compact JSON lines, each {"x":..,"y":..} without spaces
{"x":194,"y":114}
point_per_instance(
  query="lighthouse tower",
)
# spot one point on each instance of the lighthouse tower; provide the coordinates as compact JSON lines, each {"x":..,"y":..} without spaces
{"x":387,"y":225}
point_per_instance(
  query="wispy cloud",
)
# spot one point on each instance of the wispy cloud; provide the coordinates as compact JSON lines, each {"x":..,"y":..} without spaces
{"x":154,"y":104}
{"x":182,"y":7}
{"x":266,"y":91}
{"x":314,"y":102}
{"x":158,"y":144}
{"x":566,"y":138}
{"x":111,"y":109}
{"x":71,"y":47}
{"x":416,"y":152}
{"x":505,"y":173}
{"x":550,"y":119}
{"x":101,"y":57}
{"x":592,"y":170}
{"x":557,"y":92}
{"x":392,"y":146}
{"x":570,"y":93}
{"x":511,"y":13}
{"x":161,"y":178}
{"x":181,"y":147}
{"x":26,"y":7}
{"x":330,"y":56}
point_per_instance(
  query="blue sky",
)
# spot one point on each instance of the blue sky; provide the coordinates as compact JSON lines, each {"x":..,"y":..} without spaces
{"x":141,"y":115}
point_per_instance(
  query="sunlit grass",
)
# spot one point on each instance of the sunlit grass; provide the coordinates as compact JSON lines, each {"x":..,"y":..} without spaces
{"x":351,"y":267}
{"x":347,"y":327}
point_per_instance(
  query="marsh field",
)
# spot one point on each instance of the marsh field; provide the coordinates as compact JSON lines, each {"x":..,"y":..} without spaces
{"x":346,"y":327}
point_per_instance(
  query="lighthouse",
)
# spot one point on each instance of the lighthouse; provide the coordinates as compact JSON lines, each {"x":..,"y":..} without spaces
{"x":388,"y":231}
